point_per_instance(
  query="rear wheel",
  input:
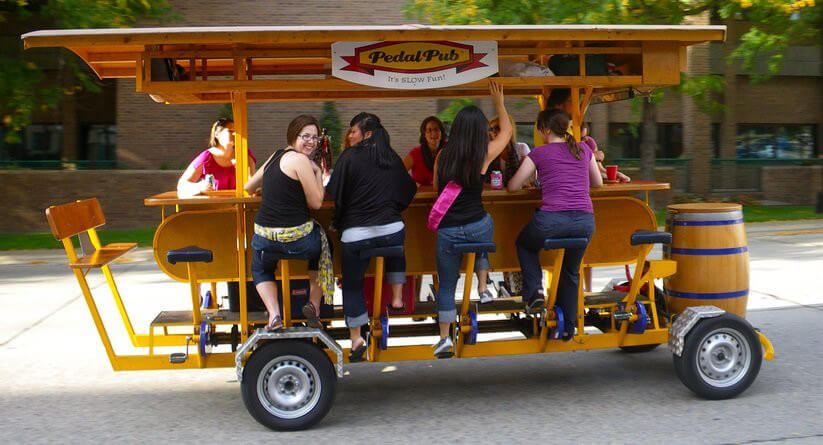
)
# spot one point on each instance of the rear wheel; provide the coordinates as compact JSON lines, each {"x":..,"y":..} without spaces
{"x":721,"y":357}
{"x":288,"y":385}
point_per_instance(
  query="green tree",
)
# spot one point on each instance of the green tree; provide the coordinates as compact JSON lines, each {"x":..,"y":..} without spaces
{"x":774,"y":25}
{"x":24,"y":86}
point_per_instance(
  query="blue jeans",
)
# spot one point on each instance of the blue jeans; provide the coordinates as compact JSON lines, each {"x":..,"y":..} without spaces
{"x":354,"y":270}
{"x":448,"y":261}
{"x":571,"y":224}
{"x":268,"y":252}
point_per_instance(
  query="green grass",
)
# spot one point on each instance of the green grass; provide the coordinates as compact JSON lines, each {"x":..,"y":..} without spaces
{"x":761,"y":213}
{"x":17,"y":241}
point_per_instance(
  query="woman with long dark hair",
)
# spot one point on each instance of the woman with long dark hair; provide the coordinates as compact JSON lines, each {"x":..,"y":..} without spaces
{"x":420,"y":160}
{"x":566,"y":170}
{"x":370,"y":188}
{"x":463,"y":163}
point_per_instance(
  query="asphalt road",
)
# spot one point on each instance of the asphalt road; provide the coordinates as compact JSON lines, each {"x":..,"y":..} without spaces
{"x":57,"y":384}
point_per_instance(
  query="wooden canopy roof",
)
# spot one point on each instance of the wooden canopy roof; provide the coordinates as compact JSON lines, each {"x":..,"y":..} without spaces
{"x":289,"y":63}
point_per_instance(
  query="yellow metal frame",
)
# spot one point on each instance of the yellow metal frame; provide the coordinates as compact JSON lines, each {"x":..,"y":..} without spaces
{"x":241,"y":54}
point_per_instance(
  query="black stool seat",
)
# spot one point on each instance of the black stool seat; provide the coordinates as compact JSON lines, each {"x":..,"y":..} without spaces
{"x":565,"y":243}
{"x":385,"y":252}
{"x":650,"y":237}
{"x":190,"y":254}
{"x":475,"y":247}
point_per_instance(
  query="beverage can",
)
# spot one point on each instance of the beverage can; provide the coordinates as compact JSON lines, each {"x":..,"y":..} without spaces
{"x":497,"y":180}
{"x":210,"y":180}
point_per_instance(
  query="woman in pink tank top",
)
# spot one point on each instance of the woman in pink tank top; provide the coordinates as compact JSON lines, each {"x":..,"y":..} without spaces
{"x":217,"y":160}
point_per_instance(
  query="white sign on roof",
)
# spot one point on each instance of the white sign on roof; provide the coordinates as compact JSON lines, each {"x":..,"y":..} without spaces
{"x":414,"y":65}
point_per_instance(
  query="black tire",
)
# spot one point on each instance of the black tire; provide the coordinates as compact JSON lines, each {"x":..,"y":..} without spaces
{"x":303,"y":385}
{"x":639,"y":348}
{"x":721,"y":357}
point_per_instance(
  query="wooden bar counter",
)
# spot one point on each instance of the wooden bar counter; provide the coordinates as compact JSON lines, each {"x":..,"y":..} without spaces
{"x":209,"y":221}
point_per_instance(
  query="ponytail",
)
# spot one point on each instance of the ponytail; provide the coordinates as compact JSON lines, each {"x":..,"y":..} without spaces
{"x":574,"y":149}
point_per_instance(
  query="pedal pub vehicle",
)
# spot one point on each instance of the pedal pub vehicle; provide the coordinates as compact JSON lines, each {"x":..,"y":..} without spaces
{"x":288,"y":378}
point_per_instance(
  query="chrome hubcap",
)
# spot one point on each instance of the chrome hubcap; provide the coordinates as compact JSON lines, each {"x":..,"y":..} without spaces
{"x":723,"y":358}
{"x":288,"y":387}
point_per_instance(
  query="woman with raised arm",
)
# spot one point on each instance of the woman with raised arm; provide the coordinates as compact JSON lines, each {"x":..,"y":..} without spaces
{"x":566,"y":170}
{"x":462,"y":164}
{"x":217,"y":160}
{"x":370,"y":188}
{"x":291,"y":184}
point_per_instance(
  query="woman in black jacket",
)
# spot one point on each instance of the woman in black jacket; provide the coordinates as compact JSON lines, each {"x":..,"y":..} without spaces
{"x":370,"y":188}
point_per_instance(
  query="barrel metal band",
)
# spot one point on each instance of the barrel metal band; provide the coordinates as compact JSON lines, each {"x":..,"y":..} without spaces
{"x":708,"y":295}
{"x":727,"y":251}
{"x":724,"y":222}
{"x":718,"y":216}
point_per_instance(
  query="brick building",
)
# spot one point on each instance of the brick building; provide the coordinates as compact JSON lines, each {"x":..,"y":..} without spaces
{"x":757,"y":147}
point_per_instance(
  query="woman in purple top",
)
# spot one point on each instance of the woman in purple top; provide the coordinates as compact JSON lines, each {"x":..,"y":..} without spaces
{"x":217,"y":160}
{"x":566,"y":171}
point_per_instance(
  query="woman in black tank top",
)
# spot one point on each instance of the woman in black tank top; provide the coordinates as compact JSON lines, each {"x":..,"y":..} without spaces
{"x":291,"y":184}
{"x":465,"y":160}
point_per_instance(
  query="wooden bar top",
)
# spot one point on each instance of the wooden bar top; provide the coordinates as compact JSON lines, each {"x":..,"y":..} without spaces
{"x":424,"y":193}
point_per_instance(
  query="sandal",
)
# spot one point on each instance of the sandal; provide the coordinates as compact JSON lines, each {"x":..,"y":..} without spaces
{"x":356,"y":354}
{"x":311,"y":316}
{"x":275,"y":324}
{"x":396,"y":310}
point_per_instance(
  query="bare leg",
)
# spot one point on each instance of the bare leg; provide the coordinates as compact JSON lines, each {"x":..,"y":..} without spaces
{"x":356,"y":338}
{"x":482,"y":275}
{"x":397,"y":295}
{"x":315,"y":293}
{"x":268,"y":293}
{"x":444,"y":329}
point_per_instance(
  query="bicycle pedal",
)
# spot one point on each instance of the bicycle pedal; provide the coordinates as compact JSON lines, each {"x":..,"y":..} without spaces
{"x":621,"y":315}
{"x":178,"y":357}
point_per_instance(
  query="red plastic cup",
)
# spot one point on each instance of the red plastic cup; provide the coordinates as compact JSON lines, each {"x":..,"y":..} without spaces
{"x":611,"y":172}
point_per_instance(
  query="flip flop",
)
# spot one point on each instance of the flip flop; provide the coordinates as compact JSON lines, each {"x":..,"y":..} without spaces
{"x":311,"y":316}
{"x":395,"y":310}
{"x":356,"y":354}
{"x":275,"y":325}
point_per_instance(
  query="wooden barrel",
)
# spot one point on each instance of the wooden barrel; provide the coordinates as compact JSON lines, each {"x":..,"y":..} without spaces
{"x":709,"y":245}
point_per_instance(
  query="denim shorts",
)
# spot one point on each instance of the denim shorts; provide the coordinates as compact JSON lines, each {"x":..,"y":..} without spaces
{"x":267,"y":253}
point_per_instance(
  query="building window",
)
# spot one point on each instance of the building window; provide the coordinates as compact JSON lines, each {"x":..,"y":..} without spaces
{"x":624,"y":140}
{"x":776,"y":141}
{"x":716,"y":140}
{"x":100,"y":143}
{"x":39,"y":142}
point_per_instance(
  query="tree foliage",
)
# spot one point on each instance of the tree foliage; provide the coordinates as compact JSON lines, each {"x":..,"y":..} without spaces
{"x":775,"y":24}
{"x":25,"y":88}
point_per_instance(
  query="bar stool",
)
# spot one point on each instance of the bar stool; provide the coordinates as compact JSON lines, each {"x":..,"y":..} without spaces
{"x":191,"y":255}
{"x":467,"y":322}
{"x":285,"y":278}
{"x":379,"y":325}
{"x":556,"y":325}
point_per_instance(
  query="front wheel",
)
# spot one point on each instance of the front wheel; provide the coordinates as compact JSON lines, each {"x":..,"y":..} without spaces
{"x":721,"y":357}
{"x":288,"y":385}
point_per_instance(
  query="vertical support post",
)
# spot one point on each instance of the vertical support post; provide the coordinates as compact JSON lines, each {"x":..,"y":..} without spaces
{"x":195,"y":294}
{"x":241,"y":135}
{"x":285,"y":278}
{"x":576,"y":117}
{"x":463,"y":321}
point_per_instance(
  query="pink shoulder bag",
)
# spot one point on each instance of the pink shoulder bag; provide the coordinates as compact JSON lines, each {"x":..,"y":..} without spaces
{"x":442,"y":204}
